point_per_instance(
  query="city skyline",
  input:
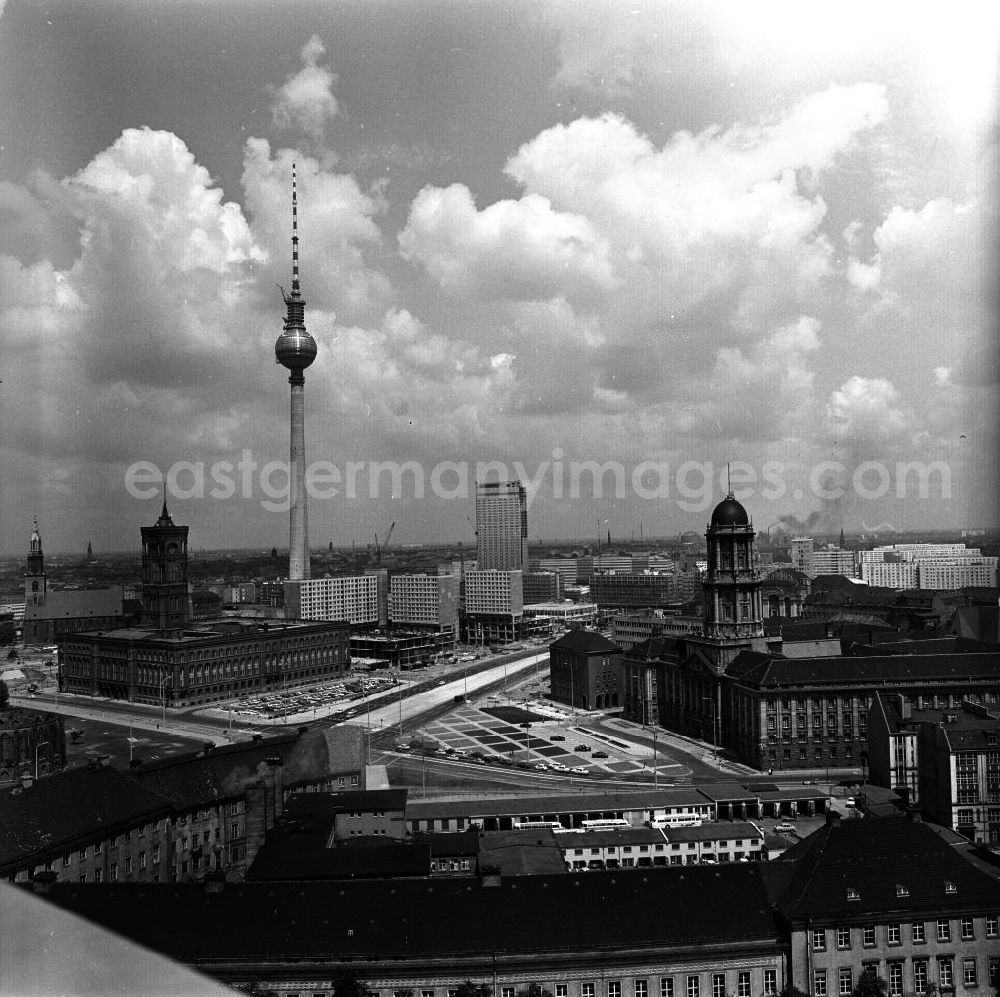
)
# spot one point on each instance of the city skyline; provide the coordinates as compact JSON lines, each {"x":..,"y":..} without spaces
{"x":648,"y":234}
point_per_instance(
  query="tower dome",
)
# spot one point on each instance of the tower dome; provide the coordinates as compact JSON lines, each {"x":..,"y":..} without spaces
{"x":729,"y":512}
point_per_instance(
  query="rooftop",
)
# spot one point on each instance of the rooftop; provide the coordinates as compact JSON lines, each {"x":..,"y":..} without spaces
{"x":589,"y":641}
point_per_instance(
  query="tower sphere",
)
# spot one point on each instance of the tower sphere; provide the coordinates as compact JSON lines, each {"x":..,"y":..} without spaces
{"x":295,"y":348}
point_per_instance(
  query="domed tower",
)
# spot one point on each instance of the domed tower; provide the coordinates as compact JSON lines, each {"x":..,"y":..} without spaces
{"x":296,"y":350}
{"x":733,"y":610}
{"x":34,"y":575}
{"x":165,"y":603}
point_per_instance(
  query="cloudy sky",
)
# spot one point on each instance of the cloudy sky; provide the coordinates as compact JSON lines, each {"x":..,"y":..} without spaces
{"x":658,"y":236}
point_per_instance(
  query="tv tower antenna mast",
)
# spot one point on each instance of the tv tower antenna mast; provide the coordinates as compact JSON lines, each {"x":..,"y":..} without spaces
{"x":296,"y":350}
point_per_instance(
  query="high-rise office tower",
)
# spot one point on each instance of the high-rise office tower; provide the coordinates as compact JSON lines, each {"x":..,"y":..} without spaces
{"x":502,"y":525}
{"x":296,"y":350}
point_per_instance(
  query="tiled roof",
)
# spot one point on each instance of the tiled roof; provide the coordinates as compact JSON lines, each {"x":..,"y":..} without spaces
{"x":78,"y":805}
{"x":588,"y":641}
{"x":714,"y":832}
{"x":285,"y":860}
{"x":425,"y":918}
{"x":891,"y":865}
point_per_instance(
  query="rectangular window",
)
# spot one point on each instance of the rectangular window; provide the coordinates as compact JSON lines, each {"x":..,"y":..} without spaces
{"x":846,"y":979}
{"x":641,"y":988}
{"x":895,"y":979}
{"x":920,"y":976}
{"x":893,"y":934}
{"x":694,"y":986}
{"x":586,"y":990}
{"x":718,"y":985}
{"x":114,"y":870}
{"x":992,"y":927}
{"x":969,"y":973}
{"x":743,"y":984}
{"x":946,"y":975}
{"x":819,"y":983}
{"x":562,"y":990}
{"x":614,"y":988}
{"x":944,"y":931}
{"x":917,"y":933}
{"x":666,"y":986}
{"x":506,"y":992}
{"x":819,"y":940}
{"x":128,"y":865}
{"x":968,"y":929}
{"x":770,"y":981}
{"x":843,"y":938}
{"x":868,"y":935}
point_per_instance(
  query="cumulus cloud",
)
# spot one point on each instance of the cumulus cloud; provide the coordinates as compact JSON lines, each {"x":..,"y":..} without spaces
{"x":306,"y":99}
{"x":868,"y":410}
{"x":512,"y":249}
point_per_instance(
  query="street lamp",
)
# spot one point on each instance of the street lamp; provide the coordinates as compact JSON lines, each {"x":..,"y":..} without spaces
{"x":163,"y":703}
{"x":715,"y":743}
{"x":41,"y":744}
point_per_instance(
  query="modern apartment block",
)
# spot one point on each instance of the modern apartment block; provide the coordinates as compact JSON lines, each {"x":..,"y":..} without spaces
{"x":426,"y":602}
{"x":494,"y":605}
{"x":502,"y":525}
{"x":350,"y":599}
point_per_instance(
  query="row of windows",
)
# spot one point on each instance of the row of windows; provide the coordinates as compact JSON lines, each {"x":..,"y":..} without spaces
{"x":893,"y":933}
{"x":920,"y":982}
{"x":693,"y":985}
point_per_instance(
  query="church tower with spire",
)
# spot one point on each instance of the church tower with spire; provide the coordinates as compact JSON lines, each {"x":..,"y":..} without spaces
{"x":165,"y":601}
{"x":296,"y":350}
{"x":34,"y":576}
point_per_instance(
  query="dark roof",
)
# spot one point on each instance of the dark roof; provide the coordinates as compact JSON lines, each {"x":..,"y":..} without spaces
{"x":589,"y":641}
{"x":714,"y":832}
{"x":756,"y":668}
{"x":80,"y":805}
{"x":448,"y":843}
{"x":255,"y":922}
{"x":204,"y":777}
{"x":729,"y":512}
{"x":522,"y":852}
{"x":284,"y":858}
{"x":656,"y":649}
{"x":611,"y":837}
{"x":873,"y":856}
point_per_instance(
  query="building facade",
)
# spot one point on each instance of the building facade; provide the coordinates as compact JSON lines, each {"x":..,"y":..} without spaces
{"x":349,"y":599}
{"x":585,"y":670}
{"x":501,"y":525}
{"x":494,"y":606}
{"x":425,"y":601}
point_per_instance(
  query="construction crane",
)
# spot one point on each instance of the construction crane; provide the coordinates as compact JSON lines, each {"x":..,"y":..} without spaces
{"x":382,"y":545}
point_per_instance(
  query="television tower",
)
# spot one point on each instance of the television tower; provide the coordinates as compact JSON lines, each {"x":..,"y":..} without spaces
{"x":296,"y":350}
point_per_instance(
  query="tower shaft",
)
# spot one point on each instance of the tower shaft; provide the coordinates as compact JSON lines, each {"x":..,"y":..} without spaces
{"x":298,"y":514}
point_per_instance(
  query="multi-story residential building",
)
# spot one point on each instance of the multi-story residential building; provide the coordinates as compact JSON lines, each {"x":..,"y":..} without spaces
{"x":629,"y":629}
{"x":585,"y":670}
{"x":628,"y":590}
{"x":972,"y":571}
{"x":726,"y":842}
{"x":831,"y":560}
{"x":204,"y":663}
{"x":494,"y":605}
{"x":890,"y":574}
{"x":542,"y":586}
{"x":565,"y":567}
{"x":349,"y":599}
{"x":423,"y":601}
{"x":501,"y":525}
{"x":614,"y":848}
{"x":959,"y":757}
{"x":800,"y":550}
{"x":892,"y":747}
{"x":90,"y":824}
{"x":890,"y":897}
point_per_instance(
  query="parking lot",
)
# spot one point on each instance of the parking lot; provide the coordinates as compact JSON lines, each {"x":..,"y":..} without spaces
{"x":551,"y":742}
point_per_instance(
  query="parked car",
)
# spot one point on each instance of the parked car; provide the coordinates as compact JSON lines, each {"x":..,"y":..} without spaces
{"x":599,"y":754}
{"x":558,"y":737}
{"x":582,"y":747}
{"x":849,"y":802}
{"x":810,"y":782}
{"x":784,"y":828}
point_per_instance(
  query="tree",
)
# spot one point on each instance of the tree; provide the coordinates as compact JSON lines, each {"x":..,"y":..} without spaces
{"x":346,"y":984}
{"x":870,"y":985}
{"x":790,"y":990}
{"x":470,"y":989}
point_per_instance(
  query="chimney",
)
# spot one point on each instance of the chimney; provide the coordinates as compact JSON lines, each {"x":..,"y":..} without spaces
{"x":41,"y":882}
{"x":913,"y":815}
{"x":832,"y":818}
{"x":215,"y":881}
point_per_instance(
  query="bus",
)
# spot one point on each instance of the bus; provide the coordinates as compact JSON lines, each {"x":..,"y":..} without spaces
{"x":604,"y":824}
{"x":675,"y":820}
{"x":538,"y":825}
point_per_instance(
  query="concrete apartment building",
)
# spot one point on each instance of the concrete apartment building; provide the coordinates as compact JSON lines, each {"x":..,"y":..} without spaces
{"x":501,"y":525}
{"x":425,"y":602}
{"x":494,"y":605}
{"x":629,"y":590}
{"x":347,"y":599}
